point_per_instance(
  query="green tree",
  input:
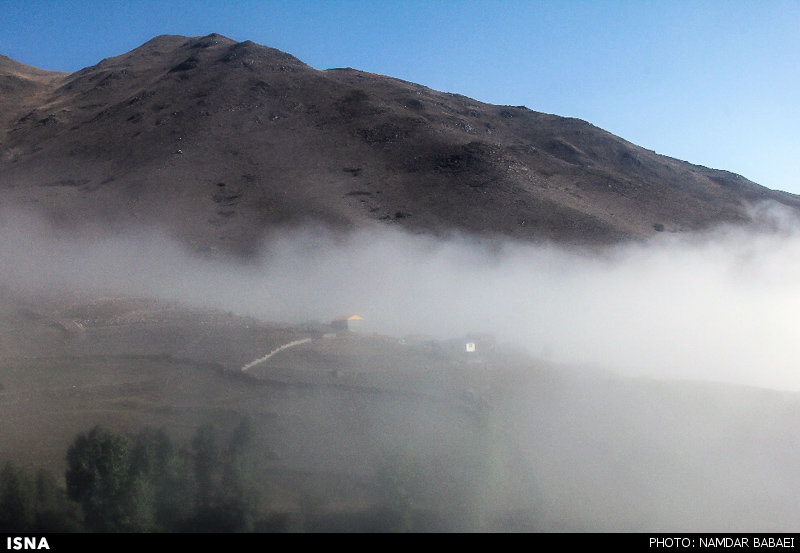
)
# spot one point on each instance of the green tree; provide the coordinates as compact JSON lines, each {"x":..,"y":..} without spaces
{"x":397,"y":477}
{"x":240,"y":496}
{"x":145,"y":484}
{"x":34,"y":504}
{"x":54,"y":512}
{"x":17,"y":500}
{"x":160,"y":473}
{"x":114,"y":498}
{"x":206,"y":460}
{"x":226,"y":500}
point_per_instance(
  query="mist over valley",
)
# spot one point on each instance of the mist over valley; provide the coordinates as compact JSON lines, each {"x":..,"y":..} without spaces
{"x":558,"y":330}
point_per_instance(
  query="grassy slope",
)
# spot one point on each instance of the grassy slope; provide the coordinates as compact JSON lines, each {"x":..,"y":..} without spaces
{"x":582,"y":450}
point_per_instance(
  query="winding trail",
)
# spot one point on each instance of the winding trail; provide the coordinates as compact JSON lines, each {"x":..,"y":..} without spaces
{"x":273,"y":352}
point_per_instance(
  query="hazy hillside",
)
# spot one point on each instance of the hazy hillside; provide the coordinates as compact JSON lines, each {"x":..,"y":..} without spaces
{"x":499,"y":442}
{"x":219,"y":142}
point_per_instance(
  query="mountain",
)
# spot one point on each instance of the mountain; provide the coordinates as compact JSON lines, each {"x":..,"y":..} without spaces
{"x":222,"y":144}
{"x":219,"y":143}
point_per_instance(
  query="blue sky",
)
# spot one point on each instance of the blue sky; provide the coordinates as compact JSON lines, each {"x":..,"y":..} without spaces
{"x":712,"y":82}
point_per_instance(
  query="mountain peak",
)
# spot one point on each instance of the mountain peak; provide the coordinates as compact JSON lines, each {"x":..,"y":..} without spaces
{"x":178,"y":53}
{"x":10,"y":67}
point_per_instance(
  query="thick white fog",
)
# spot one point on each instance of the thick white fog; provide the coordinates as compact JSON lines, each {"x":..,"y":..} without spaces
{"x":721,"y":305}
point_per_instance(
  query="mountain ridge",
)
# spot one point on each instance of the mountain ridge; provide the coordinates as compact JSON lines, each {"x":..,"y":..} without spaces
{"x":221,"y":143}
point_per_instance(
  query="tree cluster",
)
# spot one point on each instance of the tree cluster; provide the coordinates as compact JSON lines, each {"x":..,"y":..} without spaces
{"x":216,"y":483}
{"x":142,"y":483}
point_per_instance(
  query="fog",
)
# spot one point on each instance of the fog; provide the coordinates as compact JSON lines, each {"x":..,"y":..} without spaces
{"x":587,"y":451}
{"x":719,"y":305}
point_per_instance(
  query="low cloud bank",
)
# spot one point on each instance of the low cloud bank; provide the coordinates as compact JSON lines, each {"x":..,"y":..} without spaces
{"x":719,"y":306}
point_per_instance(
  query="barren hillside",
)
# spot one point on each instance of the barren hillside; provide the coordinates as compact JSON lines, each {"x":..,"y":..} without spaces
{"x":220,"y":143}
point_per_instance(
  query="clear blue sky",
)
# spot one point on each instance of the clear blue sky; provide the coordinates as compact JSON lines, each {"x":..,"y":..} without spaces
{"x":713,"y":82}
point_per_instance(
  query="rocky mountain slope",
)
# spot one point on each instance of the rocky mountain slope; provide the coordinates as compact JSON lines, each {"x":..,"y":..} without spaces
{"x":219,"y":142}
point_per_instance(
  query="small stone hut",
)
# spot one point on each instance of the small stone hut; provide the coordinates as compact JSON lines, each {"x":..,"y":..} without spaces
{"x":345,"y":322}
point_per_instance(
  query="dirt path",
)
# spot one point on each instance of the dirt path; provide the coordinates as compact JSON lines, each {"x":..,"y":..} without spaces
{"x":273,"y":352}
